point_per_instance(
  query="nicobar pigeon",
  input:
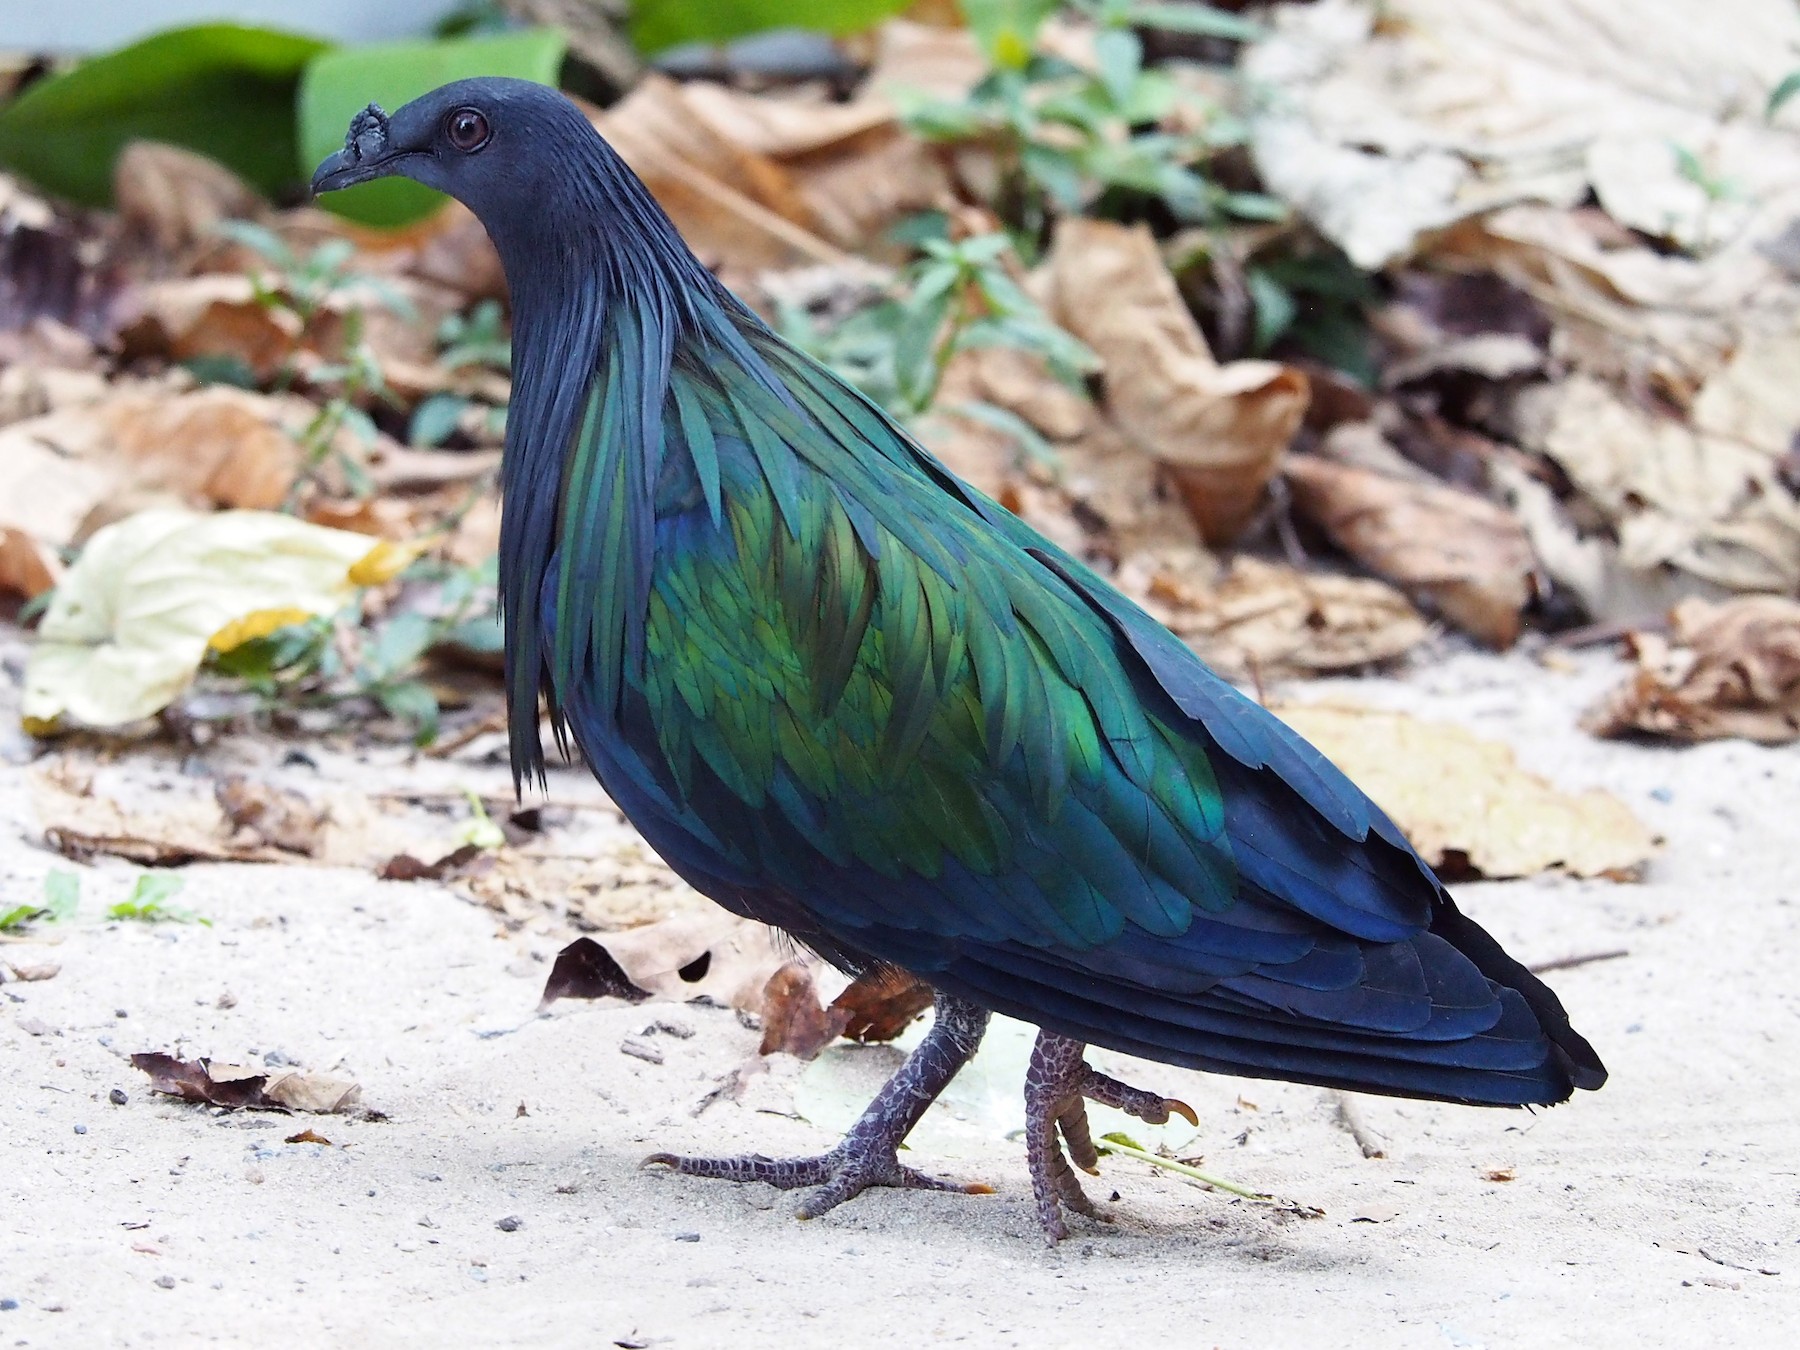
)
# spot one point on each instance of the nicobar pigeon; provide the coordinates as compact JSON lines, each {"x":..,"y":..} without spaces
{"x":843,"y":693}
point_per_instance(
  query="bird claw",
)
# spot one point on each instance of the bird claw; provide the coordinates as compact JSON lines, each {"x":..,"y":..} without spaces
{"x":840,"y":1175}
{"x":1058,"y":1086}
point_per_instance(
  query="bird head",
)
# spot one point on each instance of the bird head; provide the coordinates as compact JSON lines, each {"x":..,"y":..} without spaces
{"x":481,"y":141}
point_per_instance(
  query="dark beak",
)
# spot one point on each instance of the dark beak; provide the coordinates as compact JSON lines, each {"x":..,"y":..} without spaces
{"x":344,"y":170}
{"x":368,"y":153}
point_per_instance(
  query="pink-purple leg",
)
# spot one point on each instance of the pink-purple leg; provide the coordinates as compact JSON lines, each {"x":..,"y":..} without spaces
{"x":1058,"y":1084}
{"x":869,"y":1155}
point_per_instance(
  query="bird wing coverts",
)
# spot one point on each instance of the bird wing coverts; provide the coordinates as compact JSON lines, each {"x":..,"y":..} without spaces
{"x":843,"y":692}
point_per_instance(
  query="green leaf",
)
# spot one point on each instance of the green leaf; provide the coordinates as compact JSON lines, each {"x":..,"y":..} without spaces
{"x":401,"y":642}
{"x":1007,"y":29}
{"x":342,"y":82}
{"x":221,"y":89}
{"x":1275,"y":308}
{"x":1121,"y":59}
{"x":152,"y":888}
{"x":1004,"y":420}
{"x":915,"y":349}
{"x":18,"y":916}
{"x":62,"y":894}
{"x":435,"y":418}
{"x":412,"y":702}
{"x":657,"y":24}
{"x":1781,"y":93}
{"x":1254,"y":206}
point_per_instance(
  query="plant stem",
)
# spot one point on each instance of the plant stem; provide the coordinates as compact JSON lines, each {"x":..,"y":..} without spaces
{"x":1182,"y":1169}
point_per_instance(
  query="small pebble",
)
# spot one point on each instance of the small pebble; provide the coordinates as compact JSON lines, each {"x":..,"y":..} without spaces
{"x":165,"y":1281}
{"x":510,"y":1224}
{"x":687,"y":1237}
{"x":81,"y":1129}
{"x":120,"y":1012}
{"x":117,"y":1097}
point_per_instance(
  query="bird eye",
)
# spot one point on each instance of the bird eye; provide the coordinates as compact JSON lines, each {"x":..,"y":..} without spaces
{"x":467,"y":129}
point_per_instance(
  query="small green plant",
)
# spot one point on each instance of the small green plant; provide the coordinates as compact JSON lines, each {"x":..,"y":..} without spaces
{"x":955,"y":297}
{"x":62,"y":897}
{"x":479,"y":829}
{"x":1781,"y":93}
{"x":1317,"y":300}
{"x":328,"y":662}
{"x":476,"y":339}
{"x":147,"y":902}
{"x":306,"y":287}
{"x":1072,"y":140}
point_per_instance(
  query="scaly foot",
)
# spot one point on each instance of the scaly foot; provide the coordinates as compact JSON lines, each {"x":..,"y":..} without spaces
{"x":869,"y":1154}
{"x":1058,"y":1085}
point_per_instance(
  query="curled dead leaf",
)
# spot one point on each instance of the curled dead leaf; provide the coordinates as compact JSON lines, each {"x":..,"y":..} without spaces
{"x":1459,"y":553}
{"x":28,"y":566}
{"x":1465,"y":803}
{"x":1269,"y":619}
{"x":794,"y":1022}
{"x":211,"y":1083}
{"x":706,"y":953}
{"x":1730,"y":669}
{"x":218,"y":314}
{"x":881,"y":1004}
{"x":585,"y":969}
{"x":738,"y":209}
{"x":1219,"y":430}
{"x":174,"y":200}
{"x":1705,"y":497}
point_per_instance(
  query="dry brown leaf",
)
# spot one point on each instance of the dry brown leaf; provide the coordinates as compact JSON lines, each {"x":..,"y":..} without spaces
{"x":1458,"y":553}
{"x":1395,"y":118}
{"x":794,"y":1021}
{"x":458,"y":253}
{"x":31,"y":390}
{"x":236,"y":1087}
{"x":1465,"y":803}
{"x":1589,"y":564}
{"x":585,"y":969}
{"x":318,"y":1093}
{"x":920,"y":58}
{"x":1220,"y":430}
{"x":217,"y":314}
{"x":880,"y":1005}
{"x":64,"y":473}
{"x":174,"y":200}
{"x":1730,"y":669}
{"x":260,"y":812}
{"x":28,"y":566}
{"x":737,"y":209}
{"x":852,"y":164}
{"x":708,"y":953}
{"x":1269,"y":619}
{"x":1709,"y":502}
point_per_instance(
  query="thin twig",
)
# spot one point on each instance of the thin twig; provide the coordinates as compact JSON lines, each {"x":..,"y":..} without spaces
{"x":1350,"y":1116}
{"x":1583,"y":959}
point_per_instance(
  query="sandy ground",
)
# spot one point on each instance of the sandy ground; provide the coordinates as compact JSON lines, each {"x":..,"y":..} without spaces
{"x":1661,"y":1211}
